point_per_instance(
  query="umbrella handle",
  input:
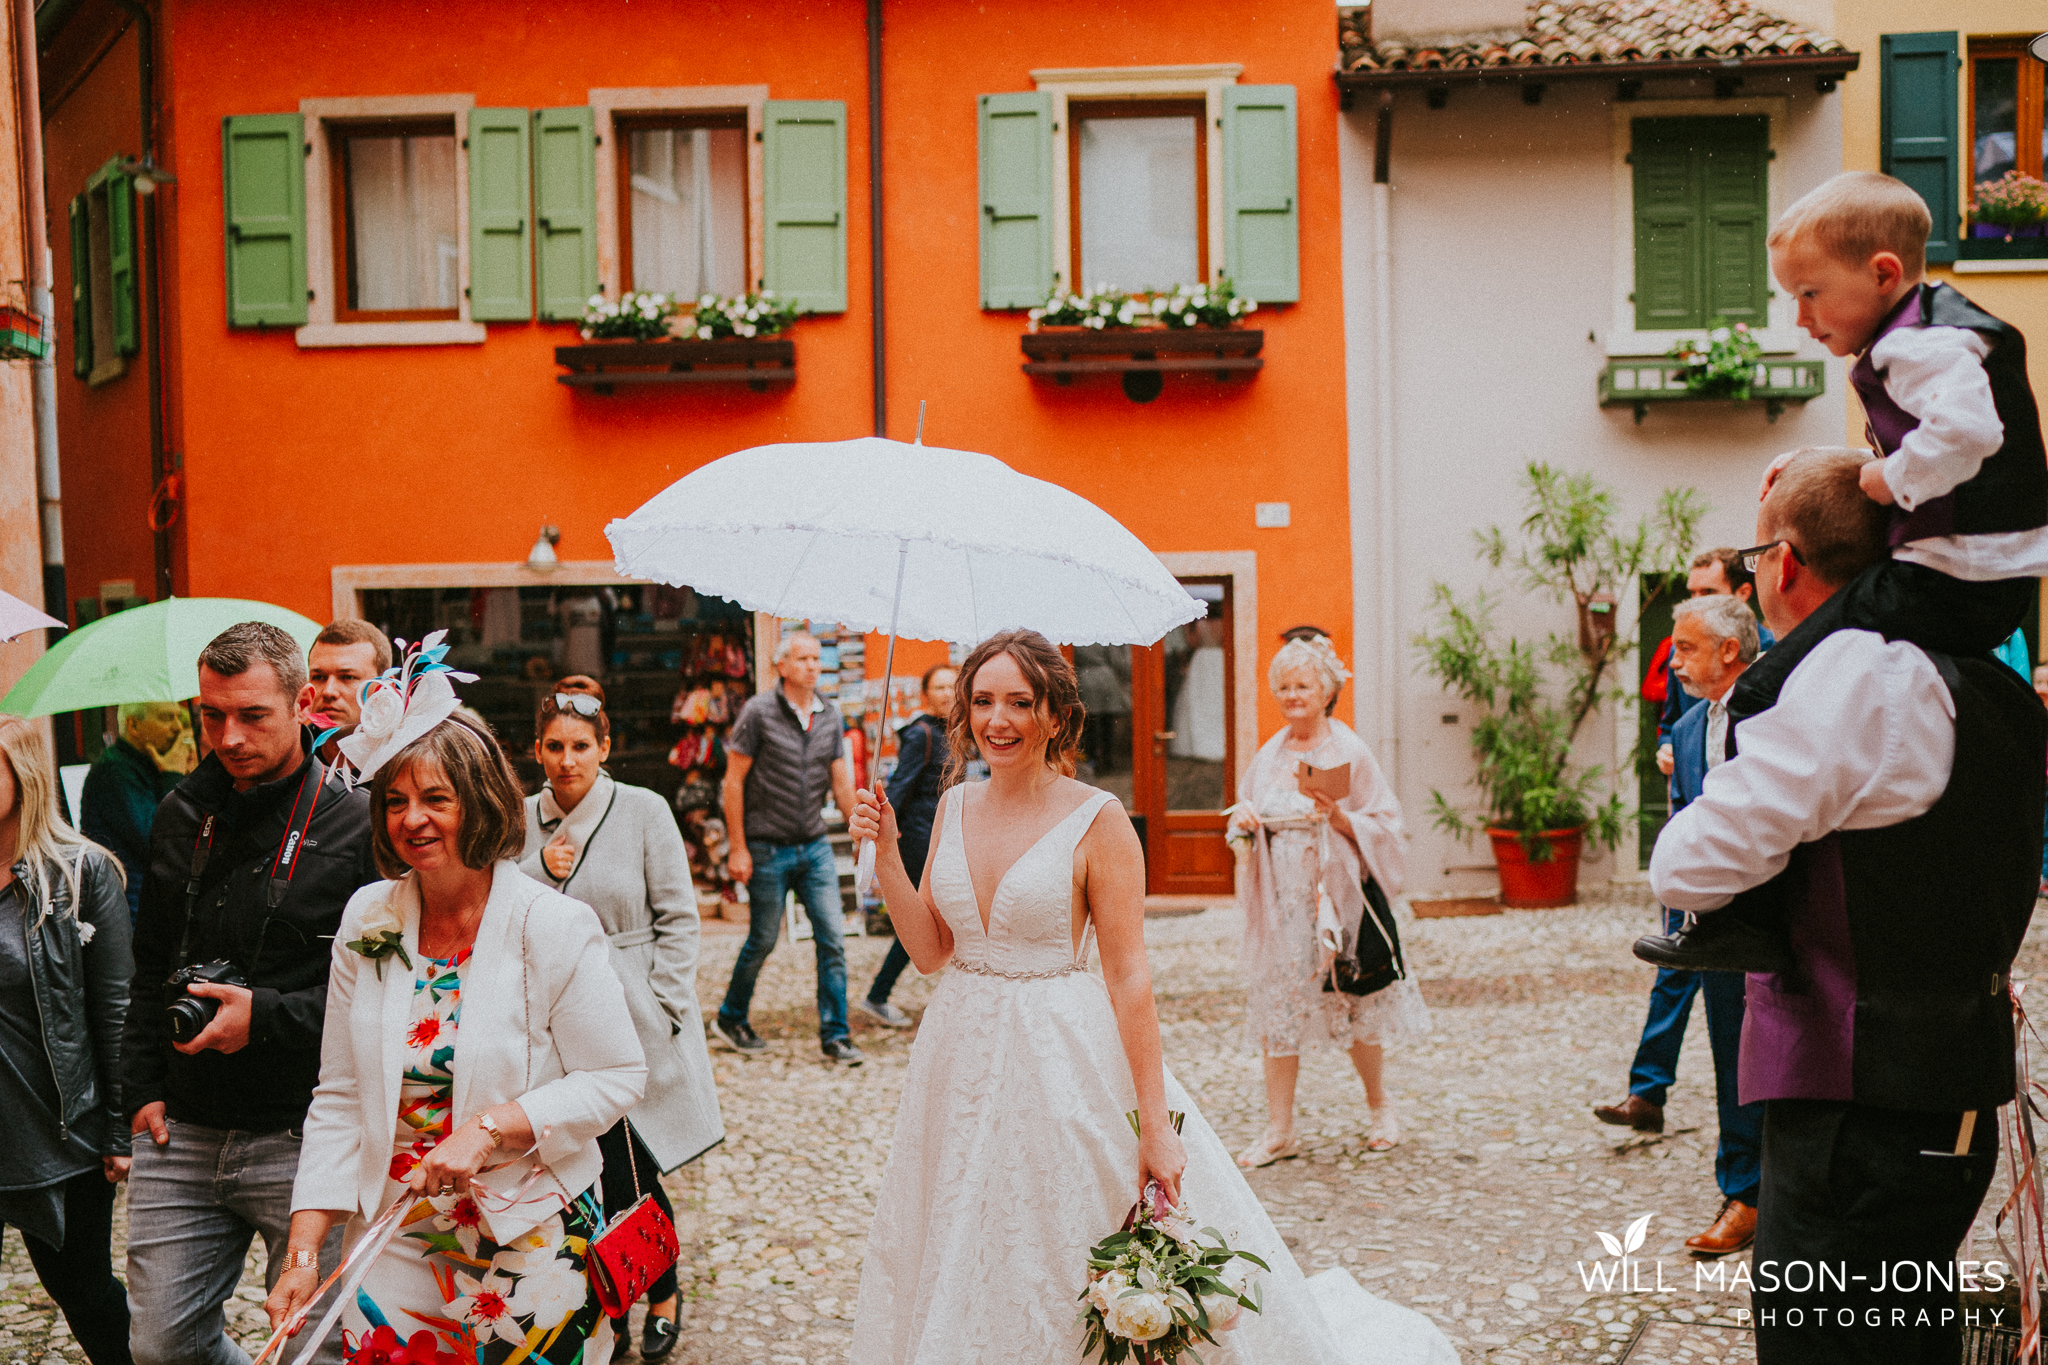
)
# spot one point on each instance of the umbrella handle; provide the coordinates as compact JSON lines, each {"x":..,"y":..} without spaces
{"x":864,"y":870}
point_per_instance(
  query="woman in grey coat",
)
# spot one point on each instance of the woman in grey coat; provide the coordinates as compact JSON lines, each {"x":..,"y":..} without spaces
{"x":616,"y":848}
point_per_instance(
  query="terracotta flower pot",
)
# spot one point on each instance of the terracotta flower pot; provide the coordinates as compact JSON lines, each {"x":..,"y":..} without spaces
{"x":1529,"y":885}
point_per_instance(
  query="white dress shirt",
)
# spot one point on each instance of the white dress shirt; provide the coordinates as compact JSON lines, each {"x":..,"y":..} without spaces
{"x":1937,"y":375}
{"x":1863,"y":735}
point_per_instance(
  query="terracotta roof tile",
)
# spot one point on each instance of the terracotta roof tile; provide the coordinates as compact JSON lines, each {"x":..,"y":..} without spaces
{"x":1567,"y":32}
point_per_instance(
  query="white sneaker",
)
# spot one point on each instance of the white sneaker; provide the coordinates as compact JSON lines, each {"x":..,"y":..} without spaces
{"x":883,"y":1013}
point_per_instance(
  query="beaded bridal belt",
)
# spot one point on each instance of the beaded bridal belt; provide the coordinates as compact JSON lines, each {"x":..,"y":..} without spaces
{"x":981,"y":969}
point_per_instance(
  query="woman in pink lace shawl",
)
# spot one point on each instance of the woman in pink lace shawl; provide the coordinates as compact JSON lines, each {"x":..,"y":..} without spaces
{"x":1291,"y":844}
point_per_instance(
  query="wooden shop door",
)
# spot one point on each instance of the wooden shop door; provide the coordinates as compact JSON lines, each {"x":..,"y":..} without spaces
{"x":1183,"y":749}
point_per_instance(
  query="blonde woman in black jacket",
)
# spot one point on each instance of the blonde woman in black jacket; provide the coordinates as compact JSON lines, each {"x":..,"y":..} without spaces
{"x":64,"y":968}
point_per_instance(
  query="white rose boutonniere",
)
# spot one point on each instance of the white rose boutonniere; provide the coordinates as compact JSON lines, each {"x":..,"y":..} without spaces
{"x":383,"y":932}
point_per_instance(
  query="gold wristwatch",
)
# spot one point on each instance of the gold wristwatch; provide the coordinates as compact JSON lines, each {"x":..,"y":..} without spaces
{"x":489,"y":1125}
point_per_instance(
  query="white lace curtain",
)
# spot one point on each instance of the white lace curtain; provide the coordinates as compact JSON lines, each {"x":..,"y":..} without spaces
{"x":689,"y":210}
{"x":402,"y":223}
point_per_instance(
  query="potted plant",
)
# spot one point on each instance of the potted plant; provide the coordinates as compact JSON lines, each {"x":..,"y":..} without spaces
{"x":1726,"y":367}
{"x":1535,"y":696}
{"x":633,"y":317}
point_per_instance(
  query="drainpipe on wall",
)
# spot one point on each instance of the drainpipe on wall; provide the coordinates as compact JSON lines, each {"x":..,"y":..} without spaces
{"x":875,"y":211}
{"x":159,"y":462}
{"x":43,"y":303}
{"x":1387,"y":565}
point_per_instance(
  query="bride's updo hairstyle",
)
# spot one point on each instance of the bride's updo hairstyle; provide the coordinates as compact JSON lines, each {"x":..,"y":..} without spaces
{"x":1056,"y":700}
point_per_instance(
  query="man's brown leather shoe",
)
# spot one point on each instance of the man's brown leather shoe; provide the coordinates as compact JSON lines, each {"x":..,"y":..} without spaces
{"x":1634,"y":1112}
{"x":1732,"y":1231}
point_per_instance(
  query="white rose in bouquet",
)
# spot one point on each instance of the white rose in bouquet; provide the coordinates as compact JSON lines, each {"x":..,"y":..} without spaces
{"x":1140,"y":1317}
{"x":1102,"y":1293}
{"x":1223,"y":1313}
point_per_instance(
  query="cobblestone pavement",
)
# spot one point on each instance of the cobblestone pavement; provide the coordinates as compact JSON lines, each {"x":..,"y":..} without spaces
{"x":1484,"y":1218}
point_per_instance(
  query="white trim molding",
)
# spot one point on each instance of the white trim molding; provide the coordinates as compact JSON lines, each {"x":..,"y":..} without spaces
{"x":1995,"y":267}
{"x":1782,"y":335}
{"x":607,"y":104}
{"x":1241,"y":567}
{"x":321,"y":329}
{"x":1137,"y":83}
{"x":350,"y":581}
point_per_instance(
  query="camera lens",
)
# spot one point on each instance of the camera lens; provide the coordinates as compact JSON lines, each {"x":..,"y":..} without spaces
{"x":189,"y":1015}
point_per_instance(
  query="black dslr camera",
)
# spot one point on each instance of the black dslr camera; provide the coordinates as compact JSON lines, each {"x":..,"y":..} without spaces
{"x":188,"y":1014}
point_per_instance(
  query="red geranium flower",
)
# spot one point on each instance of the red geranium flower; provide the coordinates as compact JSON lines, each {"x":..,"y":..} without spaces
{"x":424,"y":1032}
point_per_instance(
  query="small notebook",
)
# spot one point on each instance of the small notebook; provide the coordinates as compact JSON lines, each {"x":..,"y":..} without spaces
{"x":1334,"y":783}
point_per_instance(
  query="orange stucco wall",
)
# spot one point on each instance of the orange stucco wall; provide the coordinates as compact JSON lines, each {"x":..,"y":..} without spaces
{"x":103,"y":431}
{"x":297,"y":460}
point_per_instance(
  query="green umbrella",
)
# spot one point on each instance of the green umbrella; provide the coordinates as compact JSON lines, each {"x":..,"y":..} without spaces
{"x":143,"y":654}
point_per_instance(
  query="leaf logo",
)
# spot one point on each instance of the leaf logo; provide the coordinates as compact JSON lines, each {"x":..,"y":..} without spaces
{"x":1631,"y":1237}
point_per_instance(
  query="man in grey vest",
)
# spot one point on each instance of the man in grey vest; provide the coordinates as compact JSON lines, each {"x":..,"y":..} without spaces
{"x":1889,"y":804}
{"x":785,"y":752}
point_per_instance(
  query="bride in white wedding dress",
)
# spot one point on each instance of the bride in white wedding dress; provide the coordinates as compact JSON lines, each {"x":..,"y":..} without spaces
{"x":1012,"y":1156}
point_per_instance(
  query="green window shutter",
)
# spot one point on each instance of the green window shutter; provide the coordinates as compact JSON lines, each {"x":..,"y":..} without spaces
{"x":804,"y":198}
{"x":1668,"y":226}
{"x":1917,"y":126}
{"x":1261,"y":220}
{"x":263,"y":161}
{"x":500,"y":268}
{"x":1016,"y":199}
{"x":565,"y":210}
{"x":1702,"y":211}
{"x":121,"y":273}
{"x":81,"y":289}
{"x":1736,"y":211}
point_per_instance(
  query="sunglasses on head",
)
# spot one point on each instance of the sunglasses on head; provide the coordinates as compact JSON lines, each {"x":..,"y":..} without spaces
{"x":582,"y":703}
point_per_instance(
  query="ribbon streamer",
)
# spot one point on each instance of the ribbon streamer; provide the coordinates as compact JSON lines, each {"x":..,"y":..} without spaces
{"x":2024,"y":1204}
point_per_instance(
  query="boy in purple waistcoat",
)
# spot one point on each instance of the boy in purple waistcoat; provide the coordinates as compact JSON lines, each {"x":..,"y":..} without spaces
{"x":1948,"y":406}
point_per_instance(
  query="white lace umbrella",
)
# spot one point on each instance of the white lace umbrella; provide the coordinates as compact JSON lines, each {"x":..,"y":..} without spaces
{"x":930,"y":543}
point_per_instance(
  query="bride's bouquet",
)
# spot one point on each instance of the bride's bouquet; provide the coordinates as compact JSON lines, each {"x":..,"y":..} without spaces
{"x":1160,"y":1285}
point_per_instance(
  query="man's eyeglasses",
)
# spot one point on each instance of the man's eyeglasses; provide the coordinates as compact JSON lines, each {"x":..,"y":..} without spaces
{"x":1754,"y":555}
{"x":582,"y":703}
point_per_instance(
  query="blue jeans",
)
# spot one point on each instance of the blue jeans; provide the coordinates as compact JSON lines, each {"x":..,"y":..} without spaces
{"x":193,"y":1207}
{"x":808,"y":870}
{"x":1738,"y":1159}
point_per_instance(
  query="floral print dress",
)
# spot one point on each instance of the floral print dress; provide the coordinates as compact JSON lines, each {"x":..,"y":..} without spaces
{"x":442,"y":1274}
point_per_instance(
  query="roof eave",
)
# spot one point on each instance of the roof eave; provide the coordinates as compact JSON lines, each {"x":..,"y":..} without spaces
{"x":1833,"y":64}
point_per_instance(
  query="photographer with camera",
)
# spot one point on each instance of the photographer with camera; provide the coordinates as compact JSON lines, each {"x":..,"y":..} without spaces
{"x":251,"y":860}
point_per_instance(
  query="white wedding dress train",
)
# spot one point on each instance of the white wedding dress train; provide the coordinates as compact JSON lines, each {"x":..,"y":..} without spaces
{"x":1012,"y":1157}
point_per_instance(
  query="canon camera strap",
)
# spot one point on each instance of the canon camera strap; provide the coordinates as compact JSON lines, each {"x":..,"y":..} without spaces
{"x":281,"y":866}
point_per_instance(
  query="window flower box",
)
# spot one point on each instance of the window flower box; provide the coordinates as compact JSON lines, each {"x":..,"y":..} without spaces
{"x":1142,"y":356}
{"x":1994,"y":242}
{"x":23,"y":335}
{"x":601,"y":366}
{"x":1638,"y":381}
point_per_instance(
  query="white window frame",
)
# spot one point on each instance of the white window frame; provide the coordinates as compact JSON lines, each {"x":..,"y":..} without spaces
{"x":606,"y":105}
{"x":1781,"y":335}
{"x":1139,"y":83}
{"x":320,"y":328}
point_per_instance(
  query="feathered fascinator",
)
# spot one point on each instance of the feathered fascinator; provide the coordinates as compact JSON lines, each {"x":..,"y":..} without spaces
{"x":400,"y":705}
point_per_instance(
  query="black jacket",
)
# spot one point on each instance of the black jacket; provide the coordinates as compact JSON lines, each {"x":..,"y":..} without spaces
{"x":283,"y":953}
{"x":81,"y":987}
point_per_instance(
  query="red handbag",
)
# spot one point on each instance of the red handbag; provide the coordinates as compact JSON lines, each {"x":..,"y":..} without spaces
{"x":633,"y":1250}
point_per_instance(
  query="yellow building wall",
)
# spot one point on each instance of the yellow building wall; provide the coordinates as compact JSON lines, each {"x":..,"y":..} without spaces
{"x":2020,"y":297}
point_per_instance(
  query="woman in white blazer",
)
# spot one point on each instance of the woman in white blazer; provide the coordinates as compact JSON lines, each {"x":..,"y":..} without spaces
{"x":616,"y":848}
{"x":474,"y":1028}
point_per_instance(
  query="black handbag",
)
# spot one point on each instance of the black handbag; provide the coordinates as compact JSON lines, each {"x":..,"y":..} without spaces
{"x":1379,"y":964}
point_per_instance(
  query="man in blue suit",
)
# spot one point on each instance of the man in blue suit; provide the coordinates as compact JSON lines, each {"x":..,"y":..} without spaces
{"x":1713,"y":639}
